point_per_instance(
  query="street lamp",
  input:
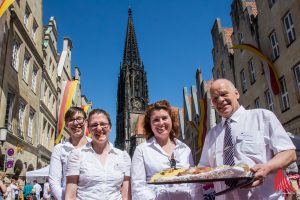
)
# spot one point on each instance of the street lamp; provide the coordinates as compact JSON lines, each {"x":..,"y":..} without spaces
{"x":3,"y":136}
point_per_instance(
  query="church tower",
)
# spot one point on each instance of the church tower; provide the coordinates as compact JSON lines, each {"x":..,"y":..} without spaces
{"x":132,"y":91}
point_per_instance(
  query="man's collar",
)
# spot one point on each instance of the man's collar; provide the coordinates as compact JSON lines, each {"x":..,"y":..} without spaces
{"x":235,"y":116}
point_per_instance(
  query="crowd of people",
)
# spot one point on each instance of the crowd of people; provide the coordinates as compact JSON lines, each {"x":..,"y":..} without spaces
{"x":12,"y":189}
{"x":83,"y":168}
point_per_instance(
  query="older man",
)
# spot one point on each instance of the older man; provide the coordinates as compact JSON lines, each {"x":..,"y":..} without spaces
{"x":254,"y":137}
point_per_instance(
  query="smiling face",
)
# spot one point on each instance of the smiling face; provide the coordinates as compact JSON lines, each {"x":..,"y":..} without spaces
{"x":99,"y":127}
{"x":161,"y":124}
{"x":76,"y":125}
{"x":224,"y":97}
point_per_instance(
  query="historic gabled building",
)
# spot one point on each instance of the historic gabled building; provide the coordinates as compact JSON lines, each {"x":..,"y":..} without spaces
{"x":132,"y":97}
{"x":31,"y":76}
{"x":197,"y":117}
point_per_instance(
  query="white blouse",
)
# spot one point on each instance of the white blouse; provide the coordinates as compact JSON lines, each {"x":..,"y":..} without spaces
{"x":148,"y":159}
{"x":57,"y":172}
{"x":97,"y":181}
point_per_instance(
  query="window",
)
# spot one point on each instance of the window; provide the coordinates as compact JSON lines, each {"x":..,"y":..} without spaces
{"x":257,"y":103}
{"x":26,"y":16}
{"x":30,"y":126}
{"x":289,"y":28}
{"x":34,"y":29}
{"x":223,"y":70}
{"x":47,"y":135}
{"x":274,"y":44}
{"x":21,"y":117}
{"x":15,"y":54}
{"x":25,"y":67}
{"x":243,"y":81}
{"x":34,"y":79}
{"x":284,"y":95}
{"x":269,"y":99}
{"x":8,"y":111}
{"x":44,"y":132}
{"x":297,"y":75}
{"x":251,"y":71}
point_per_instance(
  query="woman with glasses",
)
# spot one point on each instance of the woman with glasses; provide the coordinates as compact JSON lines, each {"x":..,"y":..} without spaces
{"x":75,"y":122}
{"x":162,"y":150}
{"x":99,"y":170}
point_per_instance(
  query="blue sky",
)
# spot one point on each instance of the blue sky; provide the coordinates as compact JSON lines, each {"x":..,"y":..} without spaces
{"x":173,"y":37}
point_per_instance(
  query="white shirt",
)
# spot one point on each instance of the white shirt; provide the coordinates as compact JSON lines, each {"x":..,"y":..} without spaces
{"x":57,"y":172}
{"x":37,"y":188}
{"x":257,"y":136}
{"x":95,"y":180}
{"x":148,"y":159}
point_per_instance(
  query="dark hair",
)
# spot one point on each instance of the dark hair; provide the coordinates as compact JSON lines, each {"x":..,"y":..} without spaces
{"x":99,"y":111}
{"x":165,"y":105}
{"x":73,"y":111}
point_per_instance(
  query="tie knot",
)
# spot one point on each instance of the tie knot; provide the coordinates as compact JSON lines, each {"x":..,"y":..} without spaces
{"x":227,"y":121}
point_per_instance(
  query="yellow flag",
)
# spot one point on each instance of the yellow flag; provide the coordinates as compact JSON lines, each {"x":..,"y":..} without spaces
{"x":4,"y":4}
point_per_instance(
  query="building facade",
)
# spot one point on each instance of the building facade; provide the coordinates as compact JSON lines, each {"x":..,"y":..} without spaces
{"x":198,"y":115}
{"x":272,"y":27}
{"x":31,"y":77}
{"x":132,"y":97}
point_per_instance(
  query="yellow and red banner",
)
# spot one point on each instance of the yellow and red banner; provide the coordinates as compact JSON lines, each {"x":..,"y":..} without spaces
{"x":68,"y":92}
{"x":203,"y":122}
{"x":4,"y":4}
{"x":86,"y":110}
{"x":272,"y":73}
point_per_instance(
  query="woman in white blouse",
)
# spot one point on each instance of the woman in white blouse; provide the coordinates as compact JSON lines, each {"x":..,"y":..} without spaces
{"x":98,"y":171}
{"x":161,"y":151}
{"x":75,"y":122}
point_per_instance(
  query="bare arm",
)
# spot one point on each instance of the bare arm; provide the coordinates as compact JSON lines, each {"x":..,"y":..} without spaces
{"x":280,"y":160}
{"x":125,"y":189}
{"x":71,"y":188}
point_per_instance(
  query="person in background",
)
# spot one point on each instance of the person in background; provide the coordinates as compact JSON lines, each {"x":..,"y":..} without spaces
{"x":292,"y":173}
{"x":27,"y":191}
{"x":8,"y":194}
{"x":253,"y":137}
{"x":99,"y":170}
{"x":162,"y":150}
{"x":75,"y":119}
{"x":2,"y":185}
{"x":46,"y":191}
{"x":37,"y":188}
{"x":14,"y":188}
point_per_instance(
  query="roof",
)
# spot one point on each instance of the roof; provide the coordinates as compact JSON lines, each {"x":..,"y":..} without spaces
{"x":228,"y":32}
{"x":253,"y":7}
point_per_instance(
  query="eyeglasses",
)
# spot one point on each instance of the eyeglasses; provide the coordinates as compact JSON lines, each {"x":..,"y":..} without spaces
{"x":101,"y":124}
{"x":79,"y":120}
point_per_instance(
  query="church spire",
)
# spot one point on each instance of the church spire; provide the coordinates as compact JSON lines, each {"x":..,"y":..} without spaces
{"x":131,"y":55}
{"x":132,"y":92}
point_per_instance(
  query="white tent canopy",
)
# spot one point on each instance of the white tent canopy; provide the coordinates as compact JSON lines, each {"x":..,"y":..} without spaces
{"x":40,"y":175}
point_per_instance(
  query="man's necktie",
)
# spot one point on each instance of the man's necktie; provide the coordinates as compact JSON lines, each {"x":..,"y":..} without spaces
{"x":228,"y":150}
